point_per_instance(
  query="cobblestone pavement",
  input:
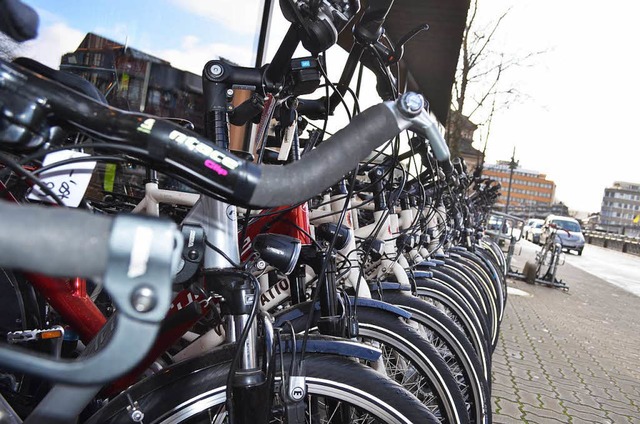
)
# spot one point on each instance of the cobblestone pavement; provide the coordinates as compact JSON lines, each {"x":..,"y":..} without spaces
{"x":568,"y":357}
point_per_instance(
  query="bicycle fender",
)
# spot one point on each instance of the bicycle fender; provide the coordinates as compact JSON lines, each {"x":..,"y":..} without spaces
{"x":302,"y":309}
{"x":335,"y":346}
{"x":378,"y":304}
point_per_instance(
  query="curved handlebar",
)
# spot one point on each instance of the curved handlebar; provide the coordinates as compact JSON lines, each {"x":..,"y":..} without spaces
{"x":72,"y":241}
{"x":215,"y":170}
{"x":134,"y":256}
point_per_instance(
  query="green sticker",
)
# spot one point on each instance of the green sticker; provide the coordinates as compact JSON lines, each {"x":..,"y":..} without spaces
{"x":109,"y":177}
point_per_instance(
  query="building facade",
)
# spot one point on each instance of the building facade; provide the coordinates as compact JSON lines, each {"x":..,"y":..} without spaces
{"x":532,"y":194}
{"x":137,"y":81}
{"x":620,"y":208}
{"x":466,"y":129}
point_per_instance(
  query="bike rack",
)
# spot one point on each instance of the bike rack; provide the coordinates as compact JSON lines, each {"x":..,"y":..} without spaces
{"x":500,"y":229}
{"x":530,"y":271}
{"x":503,"y":233}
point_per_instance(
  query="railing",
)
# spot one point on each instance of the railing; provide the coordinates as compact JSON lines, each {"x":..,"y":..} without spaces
{"x":618,"y":242}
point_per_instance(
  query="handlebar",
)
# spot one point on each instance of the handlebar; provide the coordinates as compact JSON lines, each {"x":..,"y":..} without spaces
{"x":134,"y":256}
{"x":50,"y":230}
{"x":209,"y":167}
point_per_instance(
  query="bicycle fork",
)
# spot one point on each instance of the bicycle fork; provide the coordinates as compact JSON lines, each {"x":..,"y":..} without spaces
{"x":251,"y":382}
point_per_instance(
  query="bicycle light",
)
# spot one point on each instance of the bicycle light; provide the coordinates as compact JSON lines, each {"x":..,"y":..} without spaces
{"x":328,"y":230}
{"x":278,"y":250}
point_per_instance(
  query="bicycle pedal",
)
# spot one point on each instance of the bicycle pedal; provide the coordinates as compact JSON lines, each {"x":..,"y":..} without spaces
{"x":55,"y":332}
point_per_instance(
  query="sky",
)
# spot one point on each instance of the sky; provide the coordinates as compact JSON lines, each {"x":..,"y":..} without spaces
{"x":573,"y":121}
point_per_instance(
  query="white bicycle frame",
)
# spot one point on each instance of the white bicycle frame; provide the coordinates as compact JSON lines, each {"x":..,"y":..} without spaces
{"x":153,"y":196}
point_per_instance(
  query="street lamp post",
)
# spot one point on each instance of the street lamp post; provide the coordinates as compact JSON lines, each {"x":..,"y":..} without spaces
{"x":513,"y":164}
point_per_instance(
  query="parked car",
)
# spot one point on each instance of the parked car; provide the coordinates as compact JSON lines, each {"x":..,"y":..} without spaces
{"x":530,"y":224}
{"x":533,"y":234}
{"x":567,"y":232}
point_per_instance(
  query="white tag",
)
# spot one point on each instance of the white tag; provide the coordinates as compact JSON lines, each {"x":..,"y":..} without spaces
{"x":69,"y":182}
{"x":140,"y":252}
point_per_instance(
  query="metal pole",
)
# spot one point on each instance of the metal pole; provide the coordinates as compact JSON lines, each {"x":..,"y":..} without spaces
{"x":265,"y":24}
{"x":512,"y":166}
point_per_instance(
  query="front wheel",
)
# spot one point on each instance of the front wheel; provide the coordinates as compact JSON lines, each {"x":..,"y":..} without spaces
{"x":338,"y":390}
{"x":407,"y":358}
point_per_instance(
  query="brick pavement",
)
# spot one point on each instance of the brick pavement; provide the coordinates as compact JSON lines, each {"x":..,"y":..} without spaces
{"x":569,"y":357}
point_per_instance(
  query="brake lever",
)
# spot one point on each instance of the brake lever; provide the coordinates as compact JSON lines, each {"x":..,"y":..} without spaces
{"x":143,"y":256}
{"x":393,"y":55}
{"x":411,"y":114}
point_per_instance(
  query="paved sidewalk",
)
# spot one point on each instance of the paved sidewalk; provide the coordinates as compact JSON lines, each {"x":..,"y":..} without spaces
{"x":569,"y":357}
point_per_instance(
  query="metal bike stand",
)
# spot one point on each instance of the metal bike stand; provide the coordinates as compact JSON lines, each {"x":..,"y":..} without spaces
{"x":530,"y":272}
{"x":500,"y":228}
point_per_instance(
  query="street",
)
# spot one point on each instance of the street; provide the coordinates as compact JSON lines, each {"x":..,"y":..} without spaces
{"x":570,"y":356}
{"x":617,"y":268}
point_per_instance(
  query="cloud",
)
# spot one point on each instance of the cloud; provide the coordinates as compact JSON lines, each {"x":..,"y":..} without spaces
{"x":52,"y":42}
{"x":242,"y":18}
{"x":193,"y":54}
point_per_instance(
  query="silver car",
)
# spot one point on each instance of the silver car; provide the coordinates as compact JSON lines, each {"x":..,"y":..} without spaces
{"x":567,"y":232}
{"x":533,"y":234}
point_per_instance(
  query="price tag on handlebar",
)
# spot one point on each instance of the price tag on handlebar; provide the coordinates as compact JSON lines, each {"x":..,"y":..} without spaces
{"x":69,"y":182}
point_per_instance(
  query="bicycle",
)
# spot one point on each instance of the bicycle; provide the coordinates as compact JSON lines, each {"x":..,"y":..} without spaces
{"x":218,"y":167}
{"x":548,"y":259}
{"x":227,"y":165}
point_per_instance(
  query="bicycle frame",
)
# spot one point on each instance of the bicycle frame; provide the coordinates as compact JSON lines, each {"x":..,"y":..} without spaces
{"x":153,"y":196}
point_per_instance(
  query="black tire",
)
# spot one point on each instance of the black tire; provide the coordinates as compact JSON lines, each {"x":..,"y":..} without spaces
{"x":580,"y":252}
{"x":448,"y":300}
{"x":452,"y":344}
{"x":410,"y":360}
{"x":495,"y":272}
{"x":496,"y":254}
{"x":442,"y":277}
{"x":445,"y":277}
{"x":529,"y":272}
{"x":458,"y":271}
{"x":194,"y":390}
{"x":483,"y":284}
{"x":491,"y":279}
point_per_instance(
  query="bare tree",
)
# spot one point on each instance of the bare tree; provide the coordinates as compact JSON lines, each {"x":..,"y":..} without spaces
{"x":8,"y":47}
{"x":479,"y":88}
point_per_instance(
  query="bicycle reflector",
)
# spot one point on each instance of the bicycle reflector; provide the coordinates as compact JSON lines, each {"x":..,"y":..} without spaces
{"x":279,"y":251}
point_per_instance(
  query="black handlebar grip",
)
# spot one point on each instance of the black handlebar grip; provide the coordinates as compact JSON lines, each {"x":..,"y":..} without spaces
{"x":18,"y":20}
{"x":53,"y":241}
{"x":322,"y":167}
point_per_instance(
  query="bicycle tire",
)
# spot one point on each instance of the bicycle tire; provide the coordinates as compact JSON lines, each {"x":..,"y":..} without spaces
{"x":495,"y":253}
{"x":488,"y":260}
{"x":462,"y":271}
{"x":449,"y":301}
{"x":455,"y":280}
{"x":529,"y":272}
{"x":454,"y":347}
{"x":490,"y":275}
{"x":481,"y":286}
{"x":444,"y":279}
{"x":191,"y":391}
{"x":410,"y":360}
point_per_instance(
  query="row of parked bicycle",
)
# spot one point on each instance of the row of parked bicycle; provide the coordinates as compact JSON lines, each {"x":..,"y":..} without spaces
{"x":342,"y":279}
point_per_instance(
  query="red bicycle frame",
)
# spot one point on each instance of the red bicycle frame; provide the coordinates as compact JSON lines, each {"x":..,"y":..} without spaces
{"x":292,"y":222}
